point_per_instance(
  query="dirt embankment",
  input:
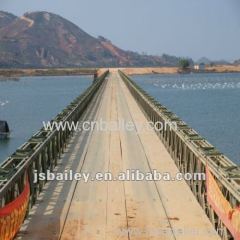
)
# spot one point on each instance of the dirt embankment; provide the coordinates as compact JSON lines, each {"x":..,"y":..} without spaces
{"x":150,"y":70}
{"x":223,"y":68}
{"x":174,"y":70}
{"x":92,"y":71}
{"x":46,"y":72}
{"x":143,"y":70}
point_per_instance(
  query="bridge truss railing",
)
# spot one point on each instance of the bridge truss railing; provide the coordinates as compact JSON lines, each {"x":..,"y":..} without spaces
{"x":193,"y":154}
{"x":38,"y":155}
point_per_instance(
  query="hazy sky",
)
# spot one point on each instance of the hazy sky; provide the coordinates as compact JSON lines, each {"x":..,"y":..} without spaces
{"x":193,"y":28}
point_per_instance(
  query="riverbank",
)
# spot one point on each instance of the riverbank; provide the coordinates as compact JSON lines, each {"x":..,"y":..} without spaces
{"x":224,"y":69}
{"x":15,"y":73}
{"x":175,"y":70}
{"x":150,"y":70}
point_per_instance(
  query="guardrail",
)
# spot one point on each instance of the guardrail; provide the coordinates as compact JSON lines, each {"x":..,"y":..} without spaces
{"x":192,"y":153}
{"x":42,"y":151}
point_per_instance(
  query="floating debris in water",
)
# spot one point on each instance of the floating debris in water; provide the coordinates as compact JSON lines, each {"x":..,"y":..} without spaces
{"x":195,"y":82}
{"x":3,"y":103}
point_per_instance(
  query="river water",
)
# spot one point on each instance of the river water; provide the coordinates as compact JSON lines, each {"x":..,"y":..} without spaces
{"x":26,"y":103}
{"x":210,"y":103}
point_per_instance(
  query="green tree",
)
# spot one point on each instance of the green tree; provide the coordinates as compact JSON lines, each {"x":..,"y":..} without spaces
{"x":184,"y":63}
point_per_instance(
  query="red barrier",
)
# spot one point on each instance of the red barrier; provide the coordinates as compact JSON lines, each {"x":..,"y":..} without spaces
{"x":13,"y":214}
{"x":229,"y":216}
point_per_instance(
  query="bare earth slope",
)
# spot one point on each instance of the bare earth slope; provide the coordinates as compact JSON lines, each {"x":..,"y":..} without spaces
{"x":6,"y":18}
{"x":42,"y":39}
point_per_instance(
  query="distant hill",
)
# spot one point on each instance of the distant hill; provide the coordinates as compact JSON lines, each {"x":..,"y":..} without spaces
{"x":211,"y":62}
{"x":6,"y":18}
{"x":42,"y":39}
{"x":220,"y":62}
{"x":204,"y":60}
{"x":237,"y":62}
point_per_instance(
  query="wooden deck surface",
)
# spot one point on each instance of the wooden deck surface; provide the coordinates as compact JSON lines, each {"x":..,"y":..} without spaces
{"x":110,"y":210}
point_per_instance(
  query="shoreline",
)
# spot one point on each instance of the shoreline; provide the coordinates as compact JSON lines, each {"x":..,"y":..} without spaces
{"x":16,"y":73}
{"x":175,"y":70}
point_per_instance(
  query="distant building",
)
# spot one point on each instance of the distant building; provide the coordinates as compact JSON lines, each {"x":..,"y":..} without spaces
{"x":199,"y":67}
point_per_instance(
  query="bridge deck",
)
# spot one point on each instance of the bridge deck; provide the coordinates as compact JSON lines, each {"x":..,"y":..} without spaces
{"x":118,"y":209}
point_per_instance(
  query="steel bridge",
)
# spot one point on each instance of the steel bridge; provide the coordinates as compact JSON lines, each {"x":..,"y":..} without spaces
{"x":36,"y":209}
